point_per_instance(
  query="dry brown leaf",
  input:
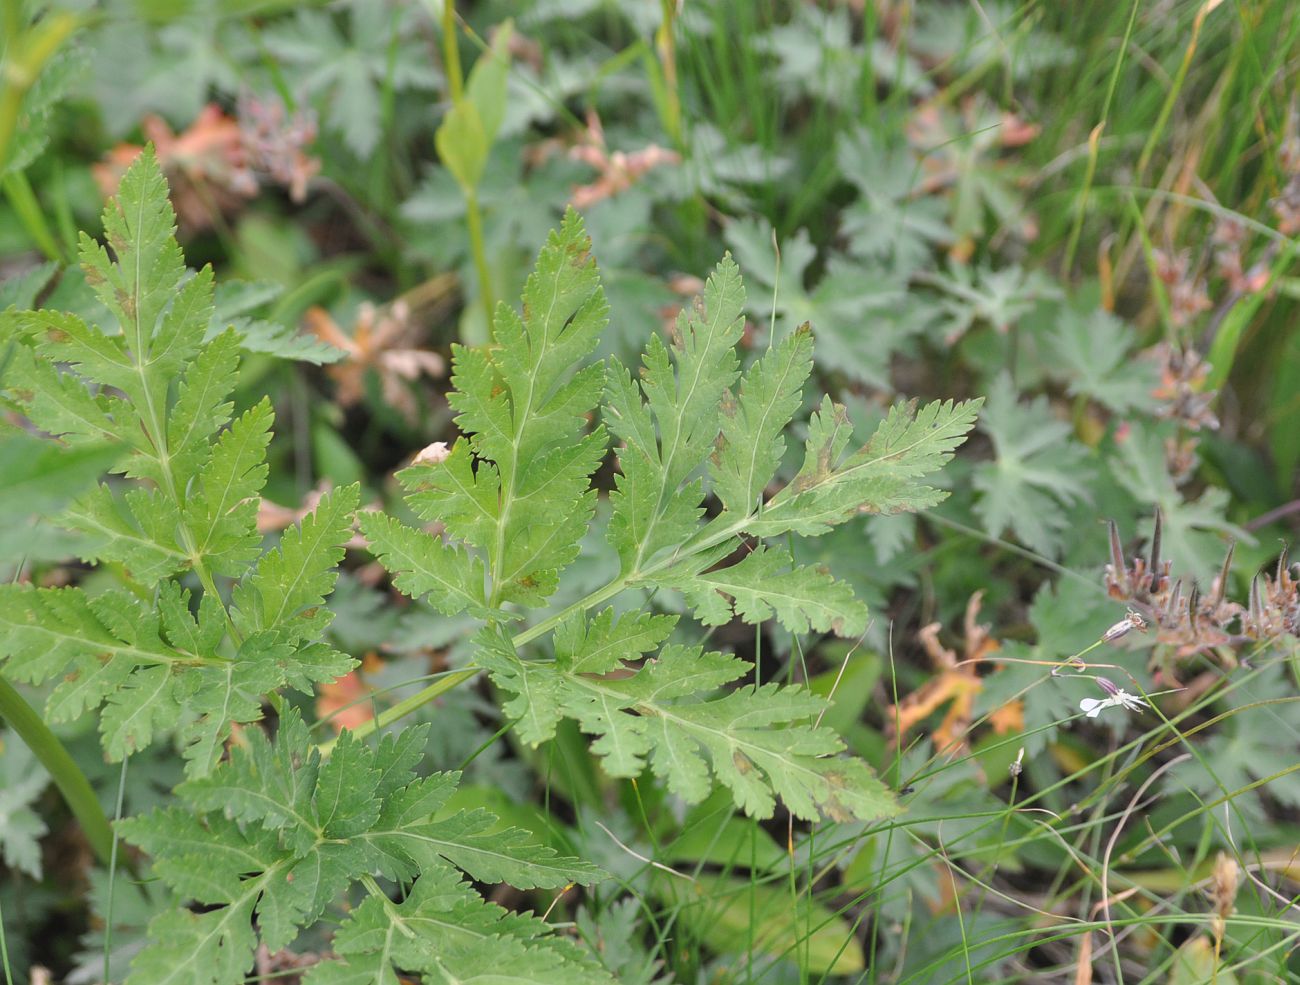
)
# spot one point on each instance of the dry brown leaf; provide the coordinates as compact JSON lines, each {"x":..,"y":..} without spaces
{"x":432,"y":454}
{"x":617,"y":171}
{"x":382,"y":341}
{"x":956,"y":684}
{"x":1083,"y":967}
{"x":275,"y":143}
{"x":205,"y":164}
{"x":341,"y":700}
{"x":214,"y":164}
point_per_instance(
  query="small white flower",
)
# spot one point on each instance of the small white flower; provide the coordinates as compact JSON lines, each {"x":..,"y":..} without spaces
{"x":1092,"y":707}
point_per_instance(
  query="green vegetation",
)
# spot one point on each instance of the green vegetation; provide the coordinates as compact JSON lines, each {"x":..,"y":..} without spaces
{"x":593,"y":492}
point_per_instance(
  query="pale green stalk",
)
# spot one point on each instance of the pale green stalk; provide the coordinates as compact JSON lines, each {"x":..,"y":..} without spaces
{"x":473,"y":214}
{"x":65,"y":773}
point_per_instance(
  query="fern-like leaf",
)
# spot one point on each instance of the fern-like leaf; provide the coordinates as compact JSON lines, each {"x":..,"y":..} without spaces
{"x":758,"y":742}
{"x":444,"y":929}
{"x":141,"y":662}
{"x":766,"y":583}
{"x":882,"y":477}
{"x":668,"y":422}
{"x":516,"y":489}
{"x":516,"y":495}
{"x":286,"y":589}
{"x":753,"y":428}
{"x":423,"y":564}
{"x":277,"y":834}
{"x":222,"y":514}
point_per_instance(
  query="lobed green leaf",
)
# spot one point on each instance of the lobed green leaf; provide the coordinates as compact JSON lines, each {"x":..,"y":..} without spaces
{"x":277,"y":834}
{"x":758,"y":742}
{"x":668,"y":422}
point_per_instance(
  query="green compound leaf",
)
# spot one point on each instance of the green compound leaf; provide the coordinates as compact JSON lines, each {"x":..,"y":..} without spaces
{"x":753,"y":428}
{"x":765,"y":584}
{"x":146,"y":663}
{"x":202,"y":405}
{"x":47,"y":632}
{"x":141,"y":280}
{"x":446,"y":930}
{"x":234,"y":309}
{"x":669,"y":421}
{"x":277,"y":834}
{"x":761,"y":743}
{"x":286,"y":589}
{"x":136,"y":530}
{"x":155,"y":667}
{"x":422,"y":564}
{"x":222,"y":513}
{"x":514,"y":499}
{"x":882,"y":477}
{"x":516,"y":490}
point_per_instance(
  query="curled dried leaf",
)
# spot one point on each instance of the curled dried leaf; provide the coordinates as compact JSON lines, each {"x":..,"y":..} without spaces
{"x":383,"y":341}
{"x":956,"y":684}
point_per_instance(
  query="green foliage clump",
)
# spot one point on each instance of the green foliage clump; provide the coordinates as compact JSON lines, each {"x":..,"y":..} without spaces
{"x":266,"y":835}
{"x":663,"y":605}
{"x":276,"y":835}
{"x":514,"y":495}
{"x":158,"y":389}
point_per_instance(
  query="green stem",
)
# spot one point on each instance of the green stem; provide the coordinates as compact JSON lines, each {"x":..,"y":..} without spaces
{"x":404,"y":707}
{"x":1171,"y":97}
{"x":28,"y":209}
{"x":473,"y":216}
{"x":1094,"y":145}
{"x":112,"y":873}
{"x":4,"y":952}
{"x":474,"y":220}
{"x":451,"y":53}
{"x":72,"y":783}
{"x":444,"y":684}
{"x":666,"y":43}
{"x":372,"y":887}
{"x":13,"y":17}
{"x":24,"y":58}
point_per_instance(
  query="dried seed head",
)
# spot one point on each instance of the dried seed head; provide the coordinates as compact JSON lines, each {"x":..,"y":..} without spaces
{"x":1018,"y":767}
{"x":1223,"y":889}
{"x":1193,"y":622}
{"x":1117,"y":570}
{"x":1155,"y":541}
{"x":1221,"y":582}
{"x":1227,"y":875}
{"x":1125,"y":626}
{"x":1193,"y":607}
